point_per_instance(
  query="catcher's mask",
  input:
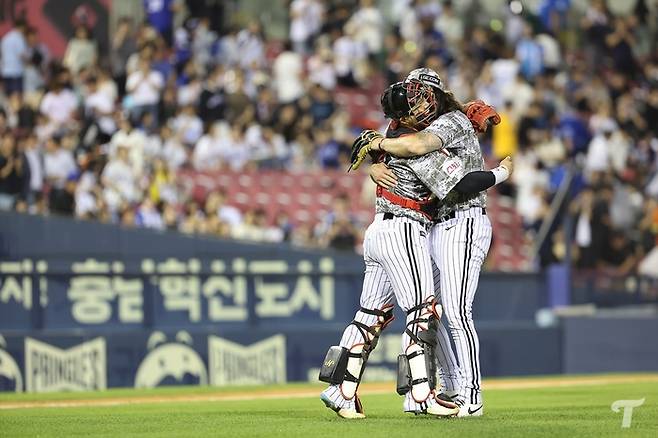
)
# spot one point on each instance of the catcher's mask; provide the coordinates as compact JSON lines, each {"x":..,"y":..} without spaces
{"x":411,"y":100}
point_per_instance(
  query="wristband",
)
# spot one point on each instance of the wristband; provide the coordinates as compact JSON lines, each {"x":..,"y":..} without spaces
{"x":500,"y":174}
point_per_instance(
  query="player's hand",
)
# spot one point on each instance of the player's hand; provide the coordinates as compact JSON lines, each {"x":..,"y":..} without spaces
{"x":508,"y":164}
{"x":481,"y":115}
{"x":383,"y":176}
{"x":364,"y":143}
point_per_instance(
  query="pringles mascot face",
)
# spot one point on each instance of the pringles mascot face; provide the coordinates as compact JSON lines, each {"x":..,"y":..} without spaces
{"x":10,"y":374}
{"x":171,"y":363}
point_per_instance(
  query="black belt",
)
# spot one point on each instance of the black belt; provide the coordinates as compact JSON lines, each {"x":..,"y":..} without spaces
{"x":453,"y":214}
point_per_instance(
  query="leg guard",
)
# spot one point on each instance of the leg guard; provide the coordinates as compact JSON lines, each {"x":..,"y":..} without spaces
{"x":344,"y":366}
{"x":422,"y":323}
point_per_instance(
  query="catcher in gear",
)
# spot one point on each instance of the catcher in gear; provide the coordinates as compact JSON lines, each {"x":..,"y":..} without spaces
{"x":461,"y":235}
{"x":398,"y":265}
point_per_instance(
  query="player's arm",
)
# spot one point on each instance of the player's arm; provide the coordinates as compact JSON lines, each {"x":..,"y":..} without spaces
{"x":480,"y":180}
{"x":411,"y":145}
{"x":473,"y":182}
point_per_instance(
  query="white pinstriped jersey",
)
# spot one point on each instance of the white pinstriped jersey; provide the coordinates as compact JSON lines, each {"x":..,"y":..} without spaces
{"x":458,"y":136}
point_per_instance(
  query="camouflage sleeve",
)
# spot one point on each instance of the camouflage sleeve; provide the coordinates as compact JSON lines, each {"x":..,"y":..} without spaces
{"x":448,"y":128}
{"x":439,"y":171}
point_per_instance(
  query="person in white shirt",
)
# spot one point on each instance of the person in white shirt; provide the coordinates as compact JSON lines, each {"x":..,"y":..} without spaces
{"x":144,"y":86}
{"x":321,"y":68}
{"x":58,"y":163}
{"x":99,"y":108}
{"x":348,"y":55}
{"x":250,"y":46}
{"x":600,"y":149}
{"x":208,"y":150}
{"x":368,"y":26}
{"x":59,"y":105}
{"x":173,"y":151}
{"x":131,"y":138}
{"x":119,"y":181}
{"x":305,"y":21}
{"x":287,"y":70}
{"x":81,"y":51}
{"x":13,"y":54}
{"x":450,"y":25}
{"x":188,"y":125}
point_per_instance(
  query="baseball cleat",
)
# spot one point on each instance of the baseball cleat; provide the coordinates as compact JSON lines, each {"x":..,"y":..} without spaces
{"x":471,"y":410}
{"x":351,"y":413}
{"x":439,"y":408}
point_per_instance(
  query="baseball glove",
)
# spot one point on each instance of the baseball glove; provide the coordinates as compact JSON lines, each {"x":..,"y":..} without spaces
{"x":481,"y":115}
{"x":364,"y":143}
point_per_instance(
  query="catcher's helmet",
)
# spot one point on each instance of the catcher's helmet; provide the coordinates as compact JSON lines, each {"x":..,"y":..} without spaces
{"x":394,"y":101}
{"x":427,"y":76}
{"x":412,"y":99}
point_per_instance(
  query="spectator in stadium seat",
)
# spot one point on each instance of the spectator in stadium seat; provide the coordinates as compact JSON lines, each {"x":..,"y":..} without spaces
{"x":287,"y":72}
{"x":35,"y":68}
{"x":62,"y":200}
{"x":348,"y":56}
{"x":81,"y":51}
{"x":123,"y":45}
{"x":450,"y":25}
{"x":160,"y":14}
{"x":504,"y":134}
{"x":170,"y":217}
{"x":59,"y":105}
{"x":209,"y":150}
{"x":99,"y":110}
{"x":35,"y":167}
{"x":250,"y":46}
{"x":144,"y":87}
{"x":128,"y":136}
{"x":173,"y":151}
{"x":58,"y":163}
{"x":148,"y":216}
{"x":328,"y":149}
{"x":119,"y":180}
{"x":305,"y":22}
{"x":530,"y":54}
{"x":212,"y":101}
{"x":188,"y":125}
{"x":367,"y":25}
{"x":320,"y":68}
{"x":13,"y":172}
{"x":14,"y":54}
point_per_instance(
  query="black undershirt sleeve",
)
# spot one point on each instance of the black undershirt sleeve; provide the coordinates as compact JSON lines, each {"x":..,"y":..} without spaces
{"x":475,"y":182}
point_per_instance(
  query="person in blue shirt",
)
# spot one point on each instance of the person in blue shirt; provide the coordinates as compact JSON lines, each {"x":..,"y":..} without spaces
{"x":14,"y":53}
{"x":529,"y":54}
{"x":160,"y":14}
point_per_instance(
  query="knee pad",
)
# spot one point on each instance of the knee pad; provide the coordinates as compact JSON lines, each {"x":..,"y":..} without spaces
{"x":344,"y":366}
{"x":417,"y":366}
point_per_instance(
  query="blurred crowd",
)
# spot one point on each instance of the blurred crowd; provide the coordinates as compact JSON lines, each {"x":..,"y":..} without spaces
{"x":102,"y":135}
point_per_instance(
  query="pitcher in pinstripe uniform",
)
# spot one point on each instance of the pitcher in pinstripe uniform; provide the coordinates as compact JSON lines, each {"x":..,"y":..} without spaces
{"x":459,"y":240}
{"x":398,"y":265}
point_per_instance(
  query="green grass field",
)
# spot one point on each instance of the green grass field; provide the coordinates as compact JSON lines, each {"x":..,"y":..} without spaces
{"x":574,"y":406}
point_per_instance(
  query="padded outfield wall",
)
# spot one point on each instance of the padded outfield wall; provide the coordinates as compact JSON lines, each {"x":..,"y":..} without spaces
{"x":90,"y":306}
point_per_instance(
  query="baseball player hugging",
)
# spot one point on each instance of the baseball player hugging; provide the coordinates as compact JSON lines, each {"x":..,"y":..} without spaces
{"x":398,"y":264}
{"x":461,"y":234}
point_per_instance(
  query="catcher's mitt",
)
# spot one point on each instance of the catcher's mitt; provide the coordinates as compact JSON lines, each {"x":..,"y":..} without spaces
{"x":481,"y":115}
{"x":364,"y":143}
